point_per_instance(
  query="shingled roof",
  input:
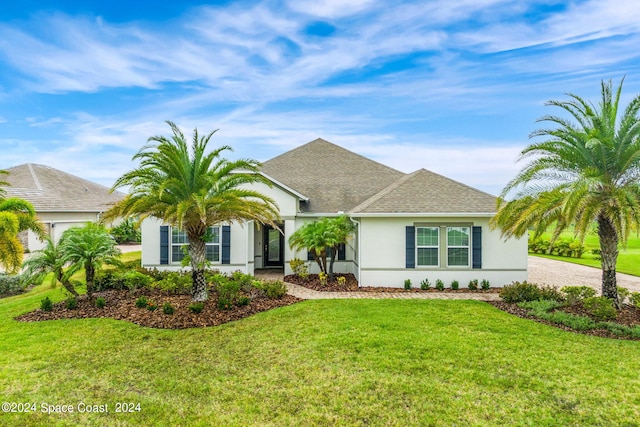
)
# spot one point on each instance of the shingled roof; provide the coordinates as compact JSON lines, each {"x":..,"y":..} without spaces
{"x":52,"y":190}
{"x":426,"y":192}
{"x":334,"y":179}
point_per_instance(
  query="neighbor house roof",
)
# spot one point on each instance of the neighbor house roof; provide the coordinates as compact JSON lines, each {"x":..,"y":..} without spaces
{"x":426,"y":192}
{"x":52,"y":190}
{"x":333,"y":178}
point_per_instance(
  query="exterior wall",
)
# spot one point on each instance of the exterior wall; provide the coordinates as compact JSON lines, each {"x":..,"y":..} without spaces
{"x":287,"y":204}
{"x":56,"y":223}
{"x":383,"y":255}
{"x":150,"y":229}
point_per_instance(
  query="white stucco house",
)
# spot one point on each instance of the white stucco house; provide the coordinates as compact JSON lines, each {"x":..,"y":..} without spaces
{"x":409,"y":226}
{"x":61,"y":200}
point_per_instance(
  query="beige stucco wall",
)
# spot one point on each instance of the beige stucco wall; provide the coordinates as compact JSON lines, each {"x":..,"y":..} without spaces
{"x":383,"y":255}
{"x":240,"y":235}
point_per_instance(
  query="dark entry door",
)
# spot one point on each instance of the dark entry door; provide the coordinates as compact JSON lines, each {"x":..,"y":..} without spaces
{"x":273,"y":247}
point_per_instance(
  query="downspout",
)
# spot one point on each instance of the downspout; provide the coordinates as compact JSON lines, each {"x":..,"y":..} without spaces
{"x":357,"y":224}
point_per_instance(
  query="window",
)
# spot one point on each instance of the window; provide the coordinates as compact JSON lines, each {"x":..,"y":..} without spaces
{"x":427,"y":247}
{"x":179,"y":240}
{"x":458,"y":239}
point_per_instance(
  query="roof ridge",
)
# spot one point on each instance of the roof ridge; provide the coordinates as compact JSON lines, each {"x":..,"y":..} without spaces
{"x":36,"y":181}
{"x":380,"y":194}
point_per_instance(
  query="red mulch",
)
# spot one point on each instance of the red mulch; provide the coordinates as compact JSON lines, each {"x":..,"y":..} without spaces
{"x":351,"y":285}
{"x":121,"y":305}
{"x":628,"y":315}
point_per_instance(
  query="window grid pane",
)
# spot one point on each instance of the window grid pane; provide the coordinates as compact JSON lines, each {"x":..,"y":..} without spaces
{"x":179,"y":240}
{"x":427,"y":236}
{"x":458,"y":239}
{"x":458,"y":256}
{"x":428,"y":256}
{"x":458,"y":236}
{"x":427,"y":246}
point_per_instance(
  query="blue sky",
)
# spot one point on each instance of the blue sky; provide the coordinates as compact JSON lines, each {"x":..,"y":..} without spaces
{"x":451,"y":86}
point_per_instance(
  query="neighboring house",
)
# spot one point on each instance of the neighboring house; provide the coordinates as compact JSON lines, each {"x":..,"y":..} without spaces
{"x":409,"y":226}
{"x":61,"y":200}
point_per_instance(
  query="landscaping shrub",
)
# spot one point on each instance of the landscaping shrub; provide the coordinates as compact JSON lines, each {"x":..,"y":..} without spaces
{"x":299,"y":268}
{"x":275,"y":290}
{"x":229,"y":290}
{"x":46,"y":304}
{"x":196,"y":307}
{"x":244,"y":280}
{"x":152,"y":306}
{"x":485,"y":284}
{"x":455,"y":285}
{"x":600,"y":307}
{"x":551,"y":292}
{"x":634,"y":299}
{"x":520,"y":292}
{"x":243,"y":300}
{"x":323,"y":278}
{"x":100,"y":302}
{"x":174,"y":282}
{"x":224,"y":303}
{"x":623,"y":294}
{"x":341,"y":280}
{"x":407,"y":284}
{"x":425,"y":284}
{"x":126,"y":232}
{"x":538,"y":307}
{"x":11,"y":284}
{"x":71,"y":303}
{"x":473,"y":284}
{"x":142,"y":302}
{"x":564,"y":248}
{"x":439,"y":285}
{"x":577,"y":293}
{"x":135,"y":280}
{"x":579,"y":323}
{"x":168,"y":309}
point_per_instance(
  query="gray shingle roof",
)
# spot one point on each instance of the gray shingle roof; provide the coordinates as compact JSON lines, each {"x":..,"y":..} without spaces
{"x":426,"y":192}
{"x":51,"y":190}
{"x":334,"y":179}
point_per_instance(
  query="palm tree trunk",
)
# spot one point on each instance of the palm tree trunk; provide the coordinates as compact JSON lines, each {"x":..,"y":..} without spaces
{"x":90,"y":275}
{"x":609,"y":254}
{"x":66,"y":283}
{"x":334,"y":251}
{"x":198,"y":255}
{"x":316,"y":257}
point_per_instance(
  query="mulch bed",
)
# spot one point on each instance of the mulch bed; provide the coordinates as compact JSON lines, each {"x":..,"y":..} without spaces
{"x":351,"y":285}
{"x":628,"y":315}
{"x":121,"y":305}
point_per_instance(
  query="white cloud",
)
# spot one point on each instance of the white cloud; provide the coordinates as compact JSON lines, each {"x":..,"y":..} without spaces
{"x":330,"y":8}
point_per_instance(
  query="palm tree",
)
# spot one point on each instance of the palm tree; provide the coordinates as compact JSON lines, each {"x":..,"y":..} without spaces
{"x":16,"y":215}
{"x":321,"y":237}
{"x":585,"y":171}
{"x":50,"y":260}
{"x":88,"y":247}
{"x":192,"y":189}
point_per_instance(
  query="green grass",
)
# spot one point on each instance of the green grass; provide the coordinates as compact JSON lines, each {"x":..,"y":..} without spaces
{"x":327,"y":362}
{"x":628,"y":258}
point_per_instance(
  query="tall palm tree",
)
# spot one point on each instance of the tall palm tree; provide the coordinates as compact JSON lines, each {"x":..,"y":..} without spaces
{"x":88,"y":247}
{"x":16,"y":215}
{"x":50,"y":260}
{"x":191,"y":188}
{"x":585,"y":171}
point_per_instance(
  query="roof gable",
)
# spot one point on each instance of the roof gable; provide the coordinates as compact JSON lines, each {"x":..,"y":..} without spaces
{"x":426,"y":192}
{"x":333,"y":178}
{"x":52,"y":190}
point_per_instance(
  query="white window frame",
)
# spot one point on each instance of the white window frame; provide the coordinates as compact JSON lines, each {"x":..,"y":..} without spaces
{"x":467,"y":247}
{"x":437,"y":247}
{"x":179,"y":245}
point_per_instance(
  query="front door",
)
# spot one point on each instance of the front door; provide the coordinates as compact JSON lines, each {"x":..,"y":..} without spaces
{"x":273,"y":247}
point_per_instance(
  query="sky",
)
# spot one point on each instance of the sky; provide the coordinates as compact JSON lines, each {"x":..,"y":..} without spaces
{"x":453,"y":86}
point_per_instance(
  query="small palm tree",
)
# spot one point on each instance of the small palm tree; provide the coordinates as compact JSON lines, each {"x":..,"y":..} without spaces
{"x":191,"y":188}
{"x":88,"y":247}
{"x":16,"y":215}
{"x":50,"y":260}
{"x":585,"y":171}
{"x":321,"y":237}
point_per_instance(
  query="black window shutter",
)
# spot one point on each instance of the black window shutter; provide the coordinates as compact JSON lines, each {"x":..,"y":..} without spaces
{"x":342,"y":252}
{"x":226,"y":244}
{"x":476,"y":254}
{"x":164,"y":244}
{"x":309,"y":256}
{"x":411,"y":246}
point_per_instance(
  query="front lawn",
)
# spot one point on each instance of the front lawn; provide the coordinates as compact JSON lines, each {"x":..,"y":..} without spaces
{"x":331,"y":362}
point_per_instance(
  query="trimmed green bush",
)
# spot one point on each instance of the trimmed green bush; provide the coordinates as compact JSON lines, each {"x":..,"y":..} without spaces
{"x":142,"y":302}
{"x":168,"y":309}
{"x":196,"y":307}
{"x":600,"y":307}
{"x":455,"y":285}
{"x":520,"y":292}
{"x":407,"y":284}
{"x":473,"y":284}
{"x":275,"y":290}
{"x":46,"y":304}
{"x":425,"y":284}
{"x":439,"y":285}
{"x":100,"y":302}
{"x":71,"y":303}
{"x":11,"y":284}
{"x":485,"y":284}
{"x":577,"y":293}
